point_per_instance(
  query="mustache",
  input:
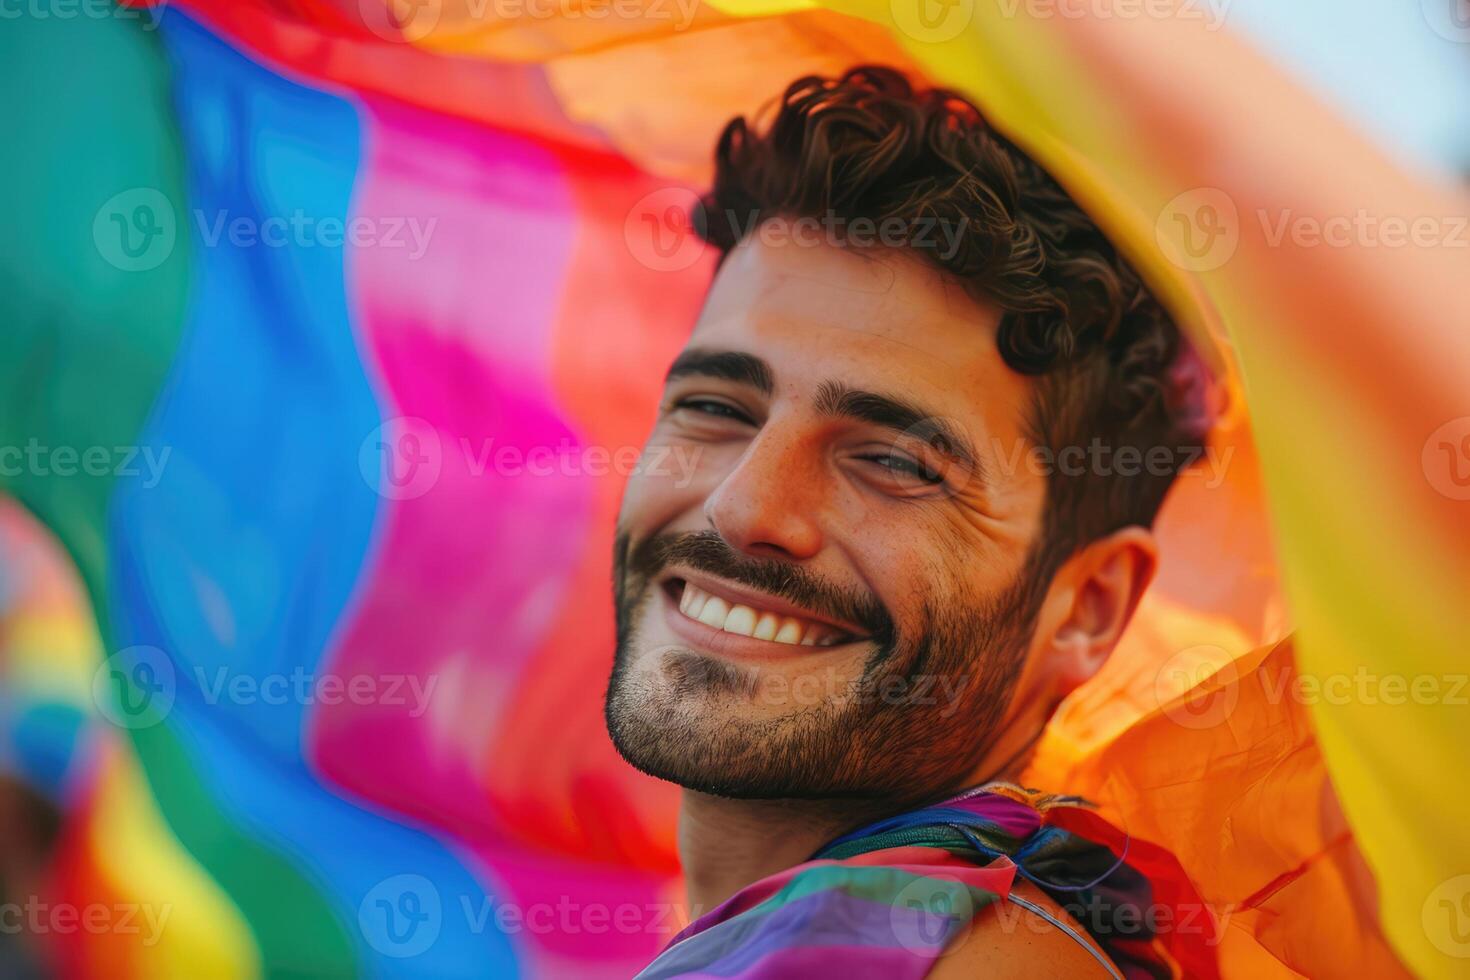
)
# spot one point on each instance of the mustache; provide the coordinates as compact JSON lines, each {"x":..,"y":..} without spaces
{"x":707,"y":552}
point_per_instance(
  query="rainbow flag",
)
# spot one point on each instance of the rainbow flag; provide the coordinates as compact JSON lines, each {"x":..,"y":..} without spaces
{"x":333,"y":329}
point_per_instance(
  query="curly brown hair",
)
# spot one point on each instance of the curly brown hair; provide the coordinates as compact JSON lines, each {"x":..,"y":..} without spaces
{"x":870,"y":145}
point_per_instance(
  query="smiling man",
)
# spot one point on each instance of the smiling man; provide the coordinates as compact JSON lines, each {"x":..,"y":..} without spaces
{"x":844,"y":634}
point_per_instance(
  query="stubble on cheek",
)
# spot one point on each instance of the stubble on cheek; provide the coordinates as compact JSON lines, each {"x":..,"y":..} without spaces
{"x":688,"y":675}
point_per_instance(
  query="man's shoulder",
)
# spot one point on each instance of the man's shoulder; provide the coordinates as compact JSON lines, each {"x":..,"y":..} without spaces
{"x":941,"y":920}
{"x":1026,"y":936}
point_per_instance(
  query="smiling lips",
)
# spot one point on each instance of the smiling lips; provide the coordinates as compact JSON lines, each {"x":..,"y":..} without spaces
{"x":761,"y":624}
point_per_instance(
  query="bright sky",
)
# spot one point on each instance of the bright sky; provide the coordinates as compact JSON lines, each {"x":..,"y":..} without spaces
{"x":1401,"y":68}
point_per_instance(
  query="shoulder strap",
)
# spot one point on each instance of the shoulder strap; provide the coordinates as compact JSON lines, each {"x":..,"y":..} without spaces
{"x":1066,"y":927}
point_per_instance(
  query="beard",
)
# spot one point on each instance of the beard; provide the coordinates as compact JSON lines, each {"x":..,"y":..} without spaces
{"x":913,"y":725}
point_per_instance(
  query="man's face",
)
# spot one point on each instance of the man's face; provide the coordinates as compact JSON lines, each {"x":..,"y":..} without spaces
{"x":837,"y":602}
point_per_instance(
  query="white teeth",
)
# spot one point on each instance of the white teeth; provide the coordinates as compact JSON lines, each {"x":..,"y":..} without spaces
{"x":790,"y":631}
{"x":745,"y":621}
{"x":691,"y":603}
{"x":714,"y":612}
{"x":741,"y":620}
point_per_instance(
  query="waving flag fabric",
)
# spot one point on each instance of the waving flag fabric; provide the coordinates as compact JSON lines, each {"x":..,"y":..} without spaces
{"x":332,"y":332}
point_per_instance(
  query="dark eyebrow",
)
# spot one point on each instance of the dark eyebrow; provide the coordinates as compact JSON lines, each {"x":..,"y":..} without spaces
{"x":900,"y":415}
{"x":730,"y":365}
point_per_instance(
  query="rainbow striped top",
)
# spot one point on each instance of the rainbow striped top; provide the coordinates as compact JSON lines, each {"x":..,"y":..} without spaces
{"x":890,"y":899}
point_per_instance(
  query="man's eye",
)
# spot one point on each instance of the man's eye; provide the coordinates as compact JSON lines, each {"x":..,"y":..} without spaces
{"x":907,"y":468}
{"x":712,"y":408}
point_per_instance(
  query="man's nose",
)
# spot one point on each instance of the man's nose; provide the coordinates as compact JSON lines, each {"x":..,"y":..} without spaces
{"x":769,"y":505}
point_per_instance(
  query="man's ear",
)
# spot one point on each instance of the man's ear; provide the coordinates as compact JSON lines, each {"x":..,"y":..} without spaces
{"x":1094,"y":595}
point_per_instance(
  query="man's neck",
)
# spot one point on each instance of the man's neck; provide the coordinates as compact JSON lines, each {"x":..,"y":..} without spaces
{"x":727,"y":844}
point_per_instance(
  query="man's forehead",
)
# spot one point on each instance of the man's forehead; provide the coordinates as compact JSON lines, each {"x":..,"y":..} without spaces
{"x":878,"y":302}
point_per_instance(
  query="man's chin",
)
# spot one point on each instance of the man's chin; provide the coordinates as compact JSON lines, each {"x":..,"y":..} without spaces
{"x":710,"y":771}
{"x":696,"y":727}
